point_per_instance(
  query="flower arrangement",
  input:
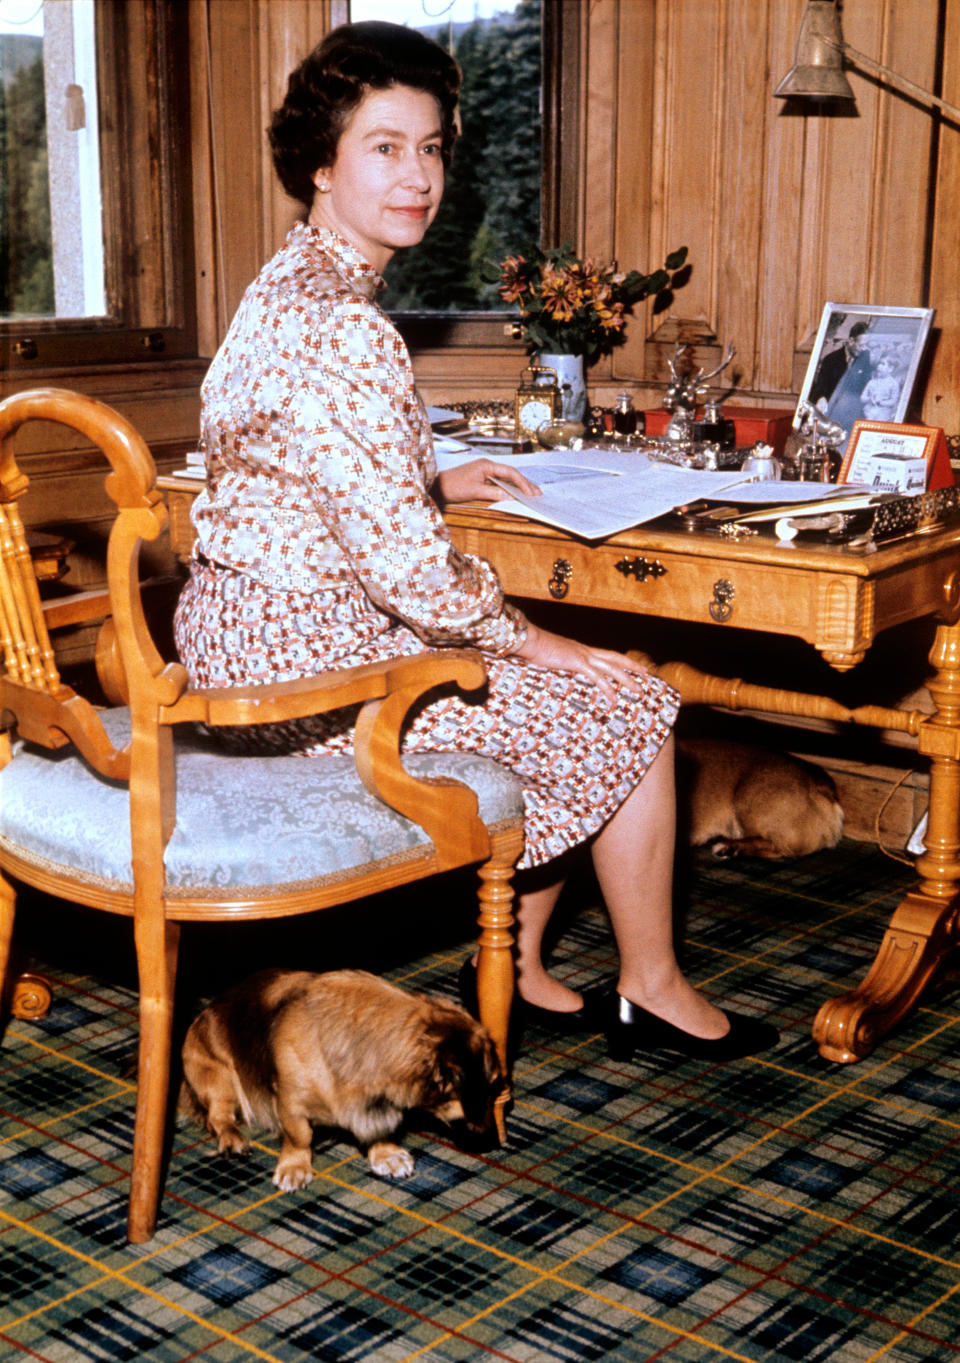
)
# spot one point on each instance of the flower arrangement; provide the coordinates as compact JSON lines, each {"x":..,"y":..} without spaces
{"x":577,"y":307}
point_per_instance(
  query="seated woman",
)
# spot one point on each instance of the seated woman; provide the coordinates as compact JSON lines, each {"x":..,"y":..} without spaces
{"x":321,"y":544}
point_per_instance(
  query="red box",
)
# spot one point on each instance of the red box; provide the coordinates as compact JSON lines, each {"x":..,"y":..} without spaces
{"x":941,"y":470}
{"x":772,"y":425}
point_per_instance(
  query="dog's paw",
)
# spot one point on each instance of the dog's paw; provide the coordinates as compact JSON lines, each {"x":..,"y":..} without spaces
{"x":231,"y":1143}
{"x":293,"y":1172}
{"x":390,"y":1161}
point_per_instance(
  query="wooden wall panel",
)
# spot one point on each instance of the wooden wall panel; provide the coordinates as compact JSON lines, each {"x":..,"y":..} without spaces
{"x":686,"y":161}
{"x":632,"y":243}
{"x":681,"y":143}
{"x":903,"y":162}
{"x":742,"y":120}
{"x":866,"y":179}
{"x":848,"y":171}
{"x":942,"y":401}
{"x":243,"y":52}
{"x":813,"y":245}
{"x":601,"y":52}
{"x":782,"y":242}
{"x":289,"y":30}
{"x":209,"y":319}
{"x":599,"y":137}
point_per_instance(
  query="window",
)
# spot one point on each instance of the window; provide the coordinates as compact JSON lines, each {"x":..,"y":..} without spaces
{"x":91,"y":263}
{"x":498,"y":198}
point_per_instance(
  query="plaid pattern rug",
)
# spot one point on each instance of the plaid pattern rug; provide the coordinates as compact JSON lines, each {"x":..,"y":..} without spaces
{"x":776,"y":1208}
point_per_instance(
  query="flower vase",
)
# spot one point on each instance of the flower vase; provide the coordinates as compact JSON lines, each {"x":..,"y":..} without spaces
{"x":570,"y":376}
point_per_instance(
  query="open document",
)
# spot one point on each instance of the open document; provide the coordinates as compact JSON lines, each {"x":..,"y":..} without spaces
{"x":596,"y":493}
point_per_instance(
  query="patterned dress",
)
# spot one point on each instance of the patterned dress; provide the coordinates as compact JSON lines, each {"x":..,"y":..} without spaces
{"x":319,"y":546}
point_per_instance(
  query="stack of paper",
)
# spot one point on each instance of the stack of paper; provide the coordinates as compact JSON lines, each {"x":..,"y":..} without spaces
{"x":194,"y":467}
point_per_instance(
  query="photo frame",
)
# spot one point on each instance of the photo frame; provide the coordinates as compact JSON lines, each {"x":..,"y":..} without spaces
{"x":863,"y":366}
{"x":890,"y":457}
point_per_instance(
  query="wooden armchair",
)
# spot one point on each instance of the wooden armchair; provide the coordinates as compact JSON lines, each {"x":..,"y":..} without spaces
{"x":132,"y":811}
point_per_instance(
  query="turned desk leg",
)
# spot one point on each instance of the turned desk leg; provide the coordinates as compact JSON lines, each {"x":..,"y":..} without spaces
{"x":924,"y":929}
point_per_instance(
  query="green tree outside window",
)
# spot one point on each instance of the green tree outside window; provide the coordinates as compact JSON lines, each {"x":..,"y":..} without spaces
{"x":26,"y":254}
{"x":491,"y":205}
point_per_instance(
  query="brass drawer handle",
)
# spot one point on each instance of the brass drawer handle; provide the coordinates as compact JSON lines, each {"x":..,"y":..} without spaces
{"x":640,"y":568}
{"x":723,"y":594}
{"x":559,"y":584}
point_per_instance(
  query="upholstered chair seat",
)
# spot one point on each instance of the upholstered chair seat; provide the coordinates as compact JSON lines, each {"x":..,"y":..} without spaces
{"x":243,"y":822}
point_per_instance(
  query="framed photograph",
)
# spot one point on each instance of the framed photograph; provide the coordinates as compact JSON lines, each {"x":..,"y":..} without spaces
{"x":863,"y":367}
{"x":889,"y":457}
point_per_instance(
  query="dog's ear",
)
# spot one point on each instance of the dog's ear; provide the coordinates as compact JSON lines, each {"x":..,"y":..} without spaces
{"x":466,"y":1069}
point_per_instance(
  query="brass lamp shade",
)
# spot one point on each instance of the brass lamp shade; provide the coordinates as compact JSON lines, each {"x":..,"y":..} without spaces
{"x":817,"y":71}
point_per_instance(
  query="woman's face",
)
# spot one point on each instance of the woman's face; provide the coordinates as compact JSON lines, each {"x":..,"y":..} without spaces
{"x":384,"y":188}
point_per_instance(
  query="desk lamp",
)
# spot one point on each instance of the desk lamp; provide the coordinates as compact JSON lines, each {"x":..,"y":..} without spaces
{"x":817,"y":71}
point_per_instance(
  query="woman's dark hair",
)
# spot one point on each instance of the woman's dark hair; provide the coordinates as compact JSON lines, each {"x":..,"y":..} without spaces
{"x":329,"y":84}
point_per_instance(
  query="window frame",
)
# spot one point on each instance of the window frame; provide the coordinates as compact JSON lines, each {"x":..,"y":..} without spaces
{"x":143,"y":99}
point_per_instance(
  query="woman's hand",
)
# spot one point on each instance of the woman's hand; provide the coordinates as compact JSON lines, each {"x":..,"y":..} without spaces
{"x":601,"y":665}
{"x":473,"y":482}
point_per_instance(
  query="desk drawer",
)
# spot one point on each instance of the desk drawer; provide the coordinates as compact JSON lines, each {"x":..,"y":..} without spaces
{"x":674,"y":585}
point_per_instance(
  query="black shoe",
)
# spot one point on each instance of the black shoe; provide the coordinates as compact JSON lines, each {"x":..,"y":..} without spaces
{"x":583,"y":1019}
{"x":631,"y":1026}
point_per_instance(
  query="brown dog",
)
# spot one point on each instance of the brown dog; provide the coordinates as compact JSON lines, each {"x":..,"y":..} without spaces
{"x":290,"y":1050}
{"x":750,"y":802}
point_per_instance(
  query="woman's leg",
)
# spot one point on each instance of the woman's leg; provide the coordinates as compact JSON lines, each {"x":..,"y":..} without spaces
{"x":534,"y":910}
{"x":633,"y":858}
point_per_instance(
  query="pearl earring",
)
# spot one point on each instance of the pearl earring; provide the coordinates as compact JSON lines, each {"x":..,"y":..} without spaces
{"x":324,"y":188}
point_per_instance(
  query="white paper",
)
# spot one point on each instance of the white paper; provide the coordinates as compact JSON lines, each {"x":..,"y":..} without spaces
{"x":632,"y":489}
{"x":773,"y":490}
{"x":447,"y":444}
{"x":435,"y":414}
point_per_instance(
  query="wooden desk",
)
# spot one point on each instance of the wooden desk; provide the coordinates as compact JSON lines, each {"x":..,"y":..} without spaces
{"x":836,"y":599}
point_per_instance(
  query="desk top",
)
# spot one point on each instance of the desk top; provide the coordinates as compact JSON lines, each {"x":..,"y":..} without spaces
{"x":836,"y":598}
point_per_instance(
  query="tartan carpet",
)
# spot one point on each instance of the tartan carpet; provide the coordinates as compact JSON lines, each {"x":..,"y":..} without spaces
{"x":776,"y":1208}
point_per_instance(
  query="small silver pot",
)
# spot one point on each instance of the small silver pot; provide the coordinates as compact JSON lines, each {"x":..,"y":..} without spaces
{"x":761,"y":464}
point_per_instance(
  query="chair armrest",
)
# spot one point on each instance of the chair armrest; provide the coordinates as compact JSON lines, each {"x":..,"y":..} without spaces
{"x":446,"y":810}
{"x":53,"y":720}
{"x":331,"y":690}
